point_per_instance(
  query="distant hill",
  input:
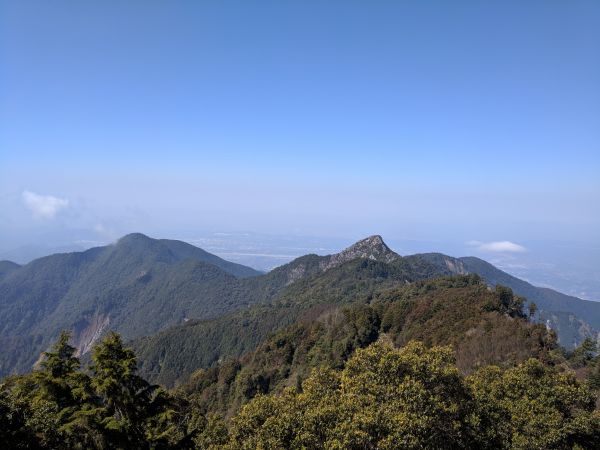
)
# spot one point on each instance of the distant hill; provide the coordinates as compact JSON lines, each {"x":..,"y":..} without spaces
{"x":6,"y":267}
{"x":203,"y":344}
{"x":136,"y":286}
{"x":572,"y":318}
{"x":205,"y":308}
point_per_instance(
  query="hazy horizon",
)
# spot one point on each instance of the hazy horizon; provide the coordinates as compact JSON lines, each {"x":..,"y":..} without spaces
{"x":464,"y":129}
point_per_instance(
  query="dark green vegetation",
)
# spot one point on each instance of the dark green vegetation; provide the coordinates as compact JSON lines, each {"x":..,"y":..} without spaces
{"x":206,"y":309}
{"x":202,"y":344}
{"x":60,"y":406}
{"x":351,"y":377}
{"x":483,"y":327}
{"x":573,"y":319}
{"x":136,"y":286}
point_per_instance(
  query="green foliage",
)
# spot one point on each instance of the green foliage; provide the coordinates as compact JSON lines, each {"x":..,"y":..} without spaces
{"x":140,"y":285}
{"x":535,"y":406}
{"x":128,"y":398}
{"x":532,"y":309}
{"x":445,"y":311}
{"x":61,"y":388}
{"x":384,"y":398}
{"x":358,"y":392}
{"x":584,"y":354}
{"x":415,"y":398}
{"x":594,"y":375}
{"x":14,"y":411}
{"x":310,"y":361}
{"x":586,"y":360}
{"x":506,"y":302}
{"x":571,"y":317}
{"x":202,"y":344}
{"x":61,"y":407}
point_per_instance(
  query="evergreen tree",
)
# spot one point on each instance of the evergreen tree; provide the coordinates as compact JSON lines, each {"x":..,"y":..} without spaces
{"x":126,"y":397}
{"x":133,"y":413}
{"x":61,"y":392}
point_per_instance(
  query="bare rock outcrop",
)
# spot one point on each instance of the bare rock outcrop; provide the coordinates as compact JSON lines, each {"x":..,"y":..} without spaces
{"x":372,"y":248}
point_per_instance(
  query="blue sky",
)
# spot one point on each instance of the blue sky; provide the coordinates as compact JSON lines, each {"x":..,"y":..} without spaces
{"x":438,"y":121}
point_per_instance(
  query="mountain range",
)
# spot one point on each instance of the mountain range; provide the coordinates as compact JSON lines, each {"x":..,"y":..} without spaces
{"x":183,"y":308}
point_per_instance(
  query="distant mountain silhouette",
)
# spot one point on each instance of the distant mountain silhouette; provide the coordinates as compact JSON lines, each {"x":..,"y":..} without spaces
{"x":139,"y":286}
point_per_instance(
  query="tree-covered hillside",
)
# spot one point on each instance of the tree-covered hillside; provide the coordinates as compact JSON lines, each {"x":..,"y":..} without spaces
{"x":170,"y":356}
{"x":482,"y":326}
{"x":136,"y":286}
{"x":203,"y":344}
{"x":572,"y":318}
{"x":210,"y":309}
{"x":6,"y":267}
{"x":352,"y":377}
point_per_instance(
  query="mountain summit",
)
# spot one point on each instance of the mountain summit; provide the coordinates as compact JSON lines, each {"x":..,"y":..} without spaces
{"x":373,"y":248}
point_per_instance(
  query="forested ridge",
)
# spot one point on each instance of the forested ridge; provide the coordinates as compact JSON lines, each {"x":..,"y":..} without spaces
{"x":170,"y":356}
{"x":443,"y":363}
{"x":179,"y":303}
{"x":361,"y":349}
{"x":136,"y":286}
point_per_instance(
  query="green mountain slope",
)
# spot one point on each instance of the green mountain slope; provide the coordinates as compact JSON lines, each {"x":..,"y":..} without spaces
{"x":483,"y":327}
{"x":203,"y":344}
{"x":205,"y":309}
{"x":168,"y":357}
{"x":572,"y":318}
{"x":136,"y":286}
{"x":363,"y":375}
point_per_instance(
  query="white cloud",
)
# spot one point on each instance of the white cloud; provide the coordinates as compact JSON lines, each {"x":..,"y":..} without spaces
{"x":43,"y":206}
{"x":498,"y":246}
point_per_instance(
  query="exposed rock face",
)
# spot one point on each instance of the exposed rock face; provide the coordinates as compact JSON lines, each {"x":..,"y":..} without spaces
{"x":455,"y":266}
{"x":87,"y":332}
{"x":372,"y":247}
{"x":571,"y":329}
{"x":296,"y":273}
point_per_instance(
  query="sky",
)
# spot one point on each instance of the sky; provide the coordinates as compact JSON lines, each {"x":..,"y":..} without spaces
{"x":473,"y":125}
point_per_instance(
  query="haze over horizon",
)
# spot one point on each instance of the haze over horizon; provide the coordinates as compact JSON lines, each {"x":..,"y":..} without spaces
{"x":462,"y":128}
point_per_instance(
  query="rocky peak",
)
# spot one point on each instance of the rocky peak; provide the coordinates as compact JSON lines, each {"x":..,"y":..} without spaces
{"x":372,"y":247}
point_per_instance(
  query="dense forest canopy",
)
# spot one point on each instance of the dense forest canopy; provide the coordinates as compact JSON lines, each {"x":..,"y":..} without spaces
{"x":399,"y":371}
{"x":167,"y":294}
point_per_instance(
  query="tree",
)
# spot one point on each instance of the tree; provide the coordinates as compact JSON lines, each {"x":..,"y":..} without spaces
{"x":14,"y":411}
{"x":508,"y":303}
{"x":133,"y":412}
{"x":61,"y":392}
{"x":384,"y":398}
{"x":532,"y":310}
{"x":46,"y":403}
{"x":535,"y":406}
{"x":594,"y":374}
{"x":583,"y":355}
